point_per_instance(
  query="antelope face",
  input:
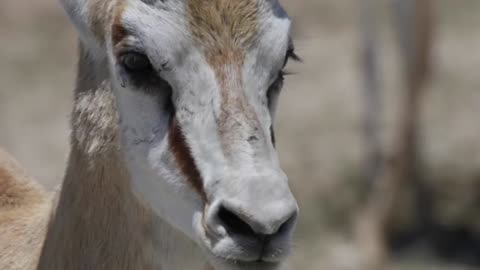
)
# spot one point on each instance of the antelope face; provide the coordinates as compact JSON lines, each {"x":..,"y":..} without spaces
{"x":197,"y":85}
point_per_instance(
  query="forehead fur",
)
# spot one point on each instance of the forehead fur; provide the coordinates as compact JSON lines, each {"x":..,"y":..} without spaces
{"x":101,"y":15}
{"x":223,"y":27}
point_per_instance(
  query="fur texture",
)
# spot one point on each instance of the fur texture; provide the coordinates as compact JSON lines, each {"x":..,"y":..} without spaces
{"x":117,"y":231}
{"x":223,"y":28}
{"x":144,"y":185}
{"x":24,"y":211}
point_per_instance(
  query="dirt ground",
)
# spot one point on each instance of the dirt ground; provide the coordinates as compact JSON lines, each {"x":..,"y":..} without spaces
{"x":319,"y":123}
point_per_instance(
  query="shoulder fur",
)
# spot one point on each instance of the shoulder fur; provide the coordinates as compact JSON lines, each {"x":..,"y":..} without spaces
{"x":24,"y":213}
{"x":17,"y":189}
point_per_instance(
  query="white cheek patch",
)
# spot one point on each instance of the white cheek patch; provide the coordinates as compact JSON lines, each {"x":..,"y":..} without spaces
{"x":142,"y":119}
{"x":155,"y":177}
{"x":156,"y":174}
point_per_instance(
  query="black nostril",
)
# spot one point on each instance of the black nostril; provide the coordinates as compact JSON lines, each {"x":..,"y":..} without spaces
{"x":287,"y":225}
{"x":234,"y":223}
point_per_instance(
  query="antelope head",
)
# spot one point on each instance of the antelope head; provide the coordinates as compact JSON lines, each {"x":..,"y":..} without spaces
{"x":196,"y":84}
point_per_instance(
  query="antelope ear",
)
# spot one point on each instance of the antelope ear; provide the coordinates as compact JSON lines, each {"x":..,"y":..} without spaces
{"x":90,"y":18}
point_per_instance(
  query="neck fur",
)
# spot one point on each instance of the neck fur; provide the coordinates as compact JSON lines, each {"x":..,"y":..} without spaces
{"x":99,"y":223}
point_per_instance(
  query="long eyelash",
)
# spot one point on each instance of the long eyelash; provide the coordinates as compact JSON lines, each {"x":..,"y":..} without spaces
{"x":291,"y":53}
{"x":294,"y":56}
{"x":287,"y":73}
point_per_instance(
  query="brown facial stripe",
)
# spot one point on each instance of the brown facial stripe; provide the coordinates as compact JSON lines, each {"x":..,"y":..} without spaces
{"x":183,"y":156}
{"x":118,"y":30}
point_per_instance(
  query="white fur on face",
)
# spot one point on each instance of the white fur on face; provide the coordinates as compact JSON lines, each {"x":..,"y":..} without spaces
{"x":156,"y":176}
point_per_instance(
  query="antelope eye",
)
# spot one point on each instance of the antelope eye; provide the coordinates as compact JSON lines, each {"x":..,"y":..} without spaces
{"x":135,"y":62}
{"x":278,"y":83}
{"x":275,"y":88}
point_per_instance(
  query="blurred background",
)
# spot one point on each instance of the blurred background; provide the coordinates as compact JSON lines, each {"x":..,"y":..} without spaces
{"x":383,"y":157}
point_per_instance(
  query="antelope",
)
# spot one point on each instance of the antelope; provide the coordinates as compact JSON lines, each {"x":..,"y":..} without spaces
{"x":172,"y":162}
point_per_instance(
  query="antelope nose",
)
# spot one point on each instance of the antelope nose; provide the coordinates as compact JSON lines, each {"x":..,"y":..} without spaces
{"x":239,"y":223}
{"x":274,"y":220}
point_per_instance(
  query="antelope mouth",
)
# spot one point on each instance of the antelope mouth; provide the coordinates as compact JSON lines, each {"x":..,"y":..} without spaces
{"x":247,"y":265}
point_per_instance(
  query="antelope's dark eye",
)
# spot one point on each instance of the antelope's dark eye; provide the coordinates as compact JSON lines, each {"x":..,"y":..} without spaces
{"x":278,"y":83}
{"x":135,"y":62}
{"x":275,"y":88}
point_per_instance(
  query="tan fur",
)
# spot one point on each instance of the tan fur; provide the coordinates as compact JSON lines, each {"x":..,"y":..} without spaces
{"x":116,"y":231}
{"x":222,"y":27}
{"x":101,"y":16}
{"x":225,"y":30}
{"x":118,"y":30}
{"x":24,"y":209}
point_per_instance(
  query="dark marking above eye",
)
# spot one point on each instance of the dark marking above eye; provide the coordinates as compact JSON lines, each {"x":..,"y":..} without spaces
{"x":118,"y":31}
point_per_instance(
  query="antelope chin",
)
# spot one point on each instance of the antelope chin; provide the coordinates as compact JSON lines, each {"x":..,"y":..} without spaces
{"x":225,"y":252}
{"x":225,"y":264}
